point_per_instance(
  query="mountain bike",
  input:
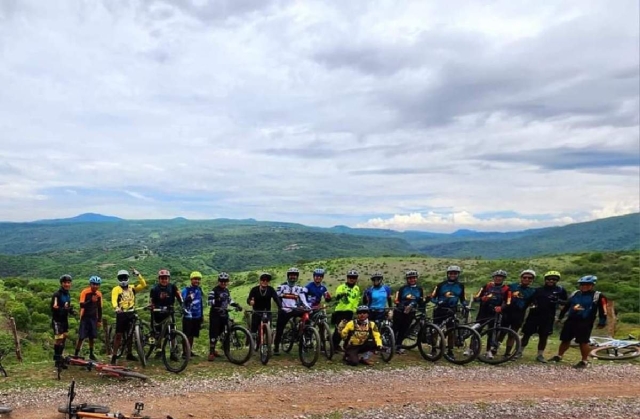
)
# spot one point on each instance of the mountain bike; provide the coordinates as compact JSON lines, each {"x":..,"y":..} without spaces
{"x":610,"y":349}
{"x":263,"y":338}
{"x":425,"y":335}
{"x":84,"y":410}
{"x":300,"y":331}
{"x":100,"y":367}
{"x":236,"y":339}
{"x":173,"y":344}
{"x":134,"y":337}
{"x":462,"y":343}
{"x":319,"y":321}
{"x":495,"y":335}
{"x":385,"y":327}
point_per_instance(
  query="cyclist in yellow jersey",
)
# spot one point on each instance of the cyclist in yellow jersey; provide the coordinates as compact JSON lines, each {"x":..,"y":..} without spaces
{"x":123,"y":300}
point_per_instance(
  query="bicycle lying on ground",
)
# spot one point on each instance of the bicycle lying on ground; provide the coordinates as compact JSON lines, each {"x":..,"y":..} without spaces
{"x":610,"y":349}
{"x":300,"y":331}
{"x":173,"y":344}
{"x":84,"y":410}
{"x":102,"y":368}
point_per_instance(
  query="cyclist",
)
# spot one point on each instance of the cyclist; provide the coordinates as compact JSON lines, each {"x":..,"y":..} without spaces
{"x":123,"y":300}
{"x":521,"y":298}
{"x":447,"y":295}
{"x":260,"y":298}
{"x":348,"y":296}
{"x":361,"y":336}
{"x":219,"y":299}
{"x":377,"y":297}
{"x":316,"y":290}
{"x":294,"y":303}
{"x":60,"y":310}
{"x":582,"y":308}
{"x":163,"y":297}
{"x":193,"y":309}
{"x":90,"y":315}
{"x":409,"y":298}
{"x":493,"y":298}
{"x":543,"y":311}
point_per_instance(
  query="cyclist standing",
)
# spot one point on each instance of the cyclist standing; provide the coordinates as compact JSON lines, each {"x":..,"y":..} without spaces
{"x":521,"y":298}
{"x":409,"y":298}
{"x":219,"y":299}
{"x":348,"y":296}
{"x":447,"y":295}
{"x":543,"y":312}
{"x":294,"y":302}
{"x":60,"y":310}
{"x":193,"y":309}
{"x":260,"y":298}
{"x":123,"y":300}
{"x":377,"y":297}
{"x":316,"y":290}
{"x":90,"y":315}
{"x":493,"y":298}
{"x":361,"y":336}
{"x":582,"y":308}
{"x":163,"y":297}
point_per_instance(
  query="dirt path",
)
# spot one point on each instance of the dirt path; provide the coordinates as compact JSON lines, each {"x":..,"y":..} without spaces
{"x":265,"y":401}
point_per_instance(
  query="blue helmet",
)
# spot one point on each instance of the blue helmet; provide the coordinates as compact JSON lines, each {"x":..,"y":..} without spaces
{"x":95,"y":280}
{"x":588,"y":279}
{"x":318,"y":272}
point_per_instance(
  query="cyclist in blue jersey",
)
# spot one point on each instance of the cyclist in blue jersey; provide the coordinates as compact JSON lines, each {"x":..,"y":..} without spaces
{"x":193,"y":309}
{"x":316,"y":290}
{"x":448,"y":294}
{"x":378,"y":297}
{"x":409,"y":298}
{"x":521,"y":298}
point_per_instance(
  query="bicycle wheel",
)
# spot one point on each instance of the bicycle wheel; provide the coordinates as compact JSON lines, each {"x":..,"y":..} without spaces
{"x":496,"y":336}
{"x":265,"y":344}
{"x":124,"y":373}
{"x":431,"y":342}
{"x":90,"y":408}
{"x":238,"y":345}
{"x":388,"y":343}
{"x":610,"y":353}
{"x":326,"y":341}
{"x":176,"y":351}
{"x":410,"y":341}
{"x":289,"y":334}
{"x":6,"y":409}
{"x":137,"y":340}
{"x":309,"y":346}
{"x":462,"y":345}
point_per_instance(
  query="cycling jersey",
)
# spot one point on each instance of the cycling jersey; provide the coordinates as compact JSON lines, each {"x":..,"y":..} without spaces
{"x":496,"y":295}
{"x":410,"y":295}
{"x":292,"y":296}
{"x":316,"y":292}
{"x":546,"y":299}
{"x":448,"y":294}
{"x":192,"y":297}
{"x":348,"y":297}
{"x":357,"y":334}
{"x":521,"y":297}
{"x":262,"y":298}
{"x":164,"y":296}
{"x":125,"y":298}
{"x":220,"y":298}
{"x":378,"y":297}
{"x":60,"y":305}
{"x":88,"y":307}
{"x":585,"y":306}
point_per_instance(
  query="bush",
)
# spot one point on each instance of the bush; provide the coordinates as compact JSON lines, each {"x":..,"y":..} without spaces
{"x":629,"y":318}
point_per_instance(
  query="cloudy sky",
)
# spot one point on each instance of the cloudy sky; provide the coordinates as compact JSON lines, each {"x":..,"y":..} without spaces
{"x":493,"y":115}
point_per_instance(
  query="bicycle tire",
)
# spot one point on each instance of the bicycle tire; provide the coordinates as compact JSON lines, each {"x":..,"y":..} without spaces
{"x":125,"y":373}
{"x":265,"y":349}
{"x":411,"y":339}
{"x":288,"y":335}
{"x":175,"y":346}
{"x":238,"y":338}
{"x":388,"y":344}
{"x":90,"y":408}
{"x":6,"y":409}
{"x":307,"y":346}
{"x":497,"y":331}
{"x":610,"y":353}
{"x":137,"y":337}
{"x":464,"y":339}
{"x":326,"y":340}
{"x":431,"y":342}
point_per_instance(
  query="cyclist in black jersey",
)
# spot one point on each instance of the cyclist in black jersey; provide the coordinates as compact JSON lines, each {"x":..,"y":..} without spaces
{"x":60,"y":309}
{"x":260,"y":298}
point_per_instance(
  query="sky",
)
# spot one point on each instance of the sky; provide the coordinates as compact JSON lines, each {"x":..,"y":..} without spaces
{"x":408,"y":115}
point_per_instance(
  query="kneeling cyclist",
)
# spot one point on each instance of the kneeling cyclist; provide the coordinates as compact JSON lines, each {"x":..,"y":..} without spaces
{"x":361,"y":338}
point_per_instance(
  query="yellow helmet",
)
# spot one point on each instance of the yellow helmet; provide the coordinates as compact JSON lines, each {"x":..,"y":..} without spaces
{"x":195,"y":274}
{"x":553,"y":273}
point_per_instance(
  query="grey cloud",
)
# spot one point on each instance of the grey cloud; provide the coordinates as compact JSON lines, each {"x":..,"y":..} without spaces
{"x":213,"y":10}
{"x":323,"y":150}
{"x":402,"y":171}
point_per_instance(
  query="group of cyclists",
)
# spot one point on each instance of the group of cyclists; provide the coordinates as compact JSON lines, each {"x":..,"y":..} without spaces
{"x":355,"y":313}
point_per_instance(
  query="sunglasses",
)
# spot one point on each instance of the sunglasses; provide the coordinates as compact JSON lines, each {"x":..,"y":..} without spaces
{"x":264,"y":280}
{"x":551,"y":279}
{"x":527,"y":277}
{"x":163,"y":278}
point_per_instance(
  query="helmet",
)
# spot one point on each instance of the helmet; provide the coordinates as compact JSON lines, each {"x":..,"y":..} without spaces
{"x":528,"y":271}
{"x":195,"y":274}
{"x":265,"y":275}
{"x":454,"y":268}
{"x":223,"y":277}
{"x":352,"y":273}
{"x":499,"y":272}
{"x":163,"y":272}
{"x":65,"y":278}
{"x":552,"y":273}
{"x":318,"y":272}
{"x":294,"y":271}
{"x":588,"y":279}
{"x":376,"y":275}
{"x":411,"y":274}
{"x":95,"y":280}
{"x":123,"y":272}
{"x":362,"y":309}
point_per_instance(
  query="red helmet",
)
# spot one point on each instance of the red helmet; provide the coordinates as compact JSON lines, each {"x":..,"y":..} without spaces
{"x":164,"y":272}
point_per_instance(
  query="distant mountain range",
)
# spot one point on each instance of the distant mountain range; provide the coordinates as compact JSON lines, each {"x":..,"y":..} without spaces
{"x":246,"y":244}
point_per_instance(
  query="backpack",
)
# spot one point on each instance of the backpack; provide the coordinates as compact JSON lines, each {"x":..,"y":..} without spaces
{"x":596,"y":296}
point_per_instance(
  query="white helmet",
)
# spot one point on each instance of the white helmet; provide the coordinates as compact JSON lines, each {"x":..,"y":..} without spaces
{"x":123,"y":278}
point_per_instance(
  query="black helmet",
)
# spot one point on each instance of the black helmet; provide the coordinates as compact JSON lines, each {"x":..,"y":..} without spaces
{"x":65,"y":278}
